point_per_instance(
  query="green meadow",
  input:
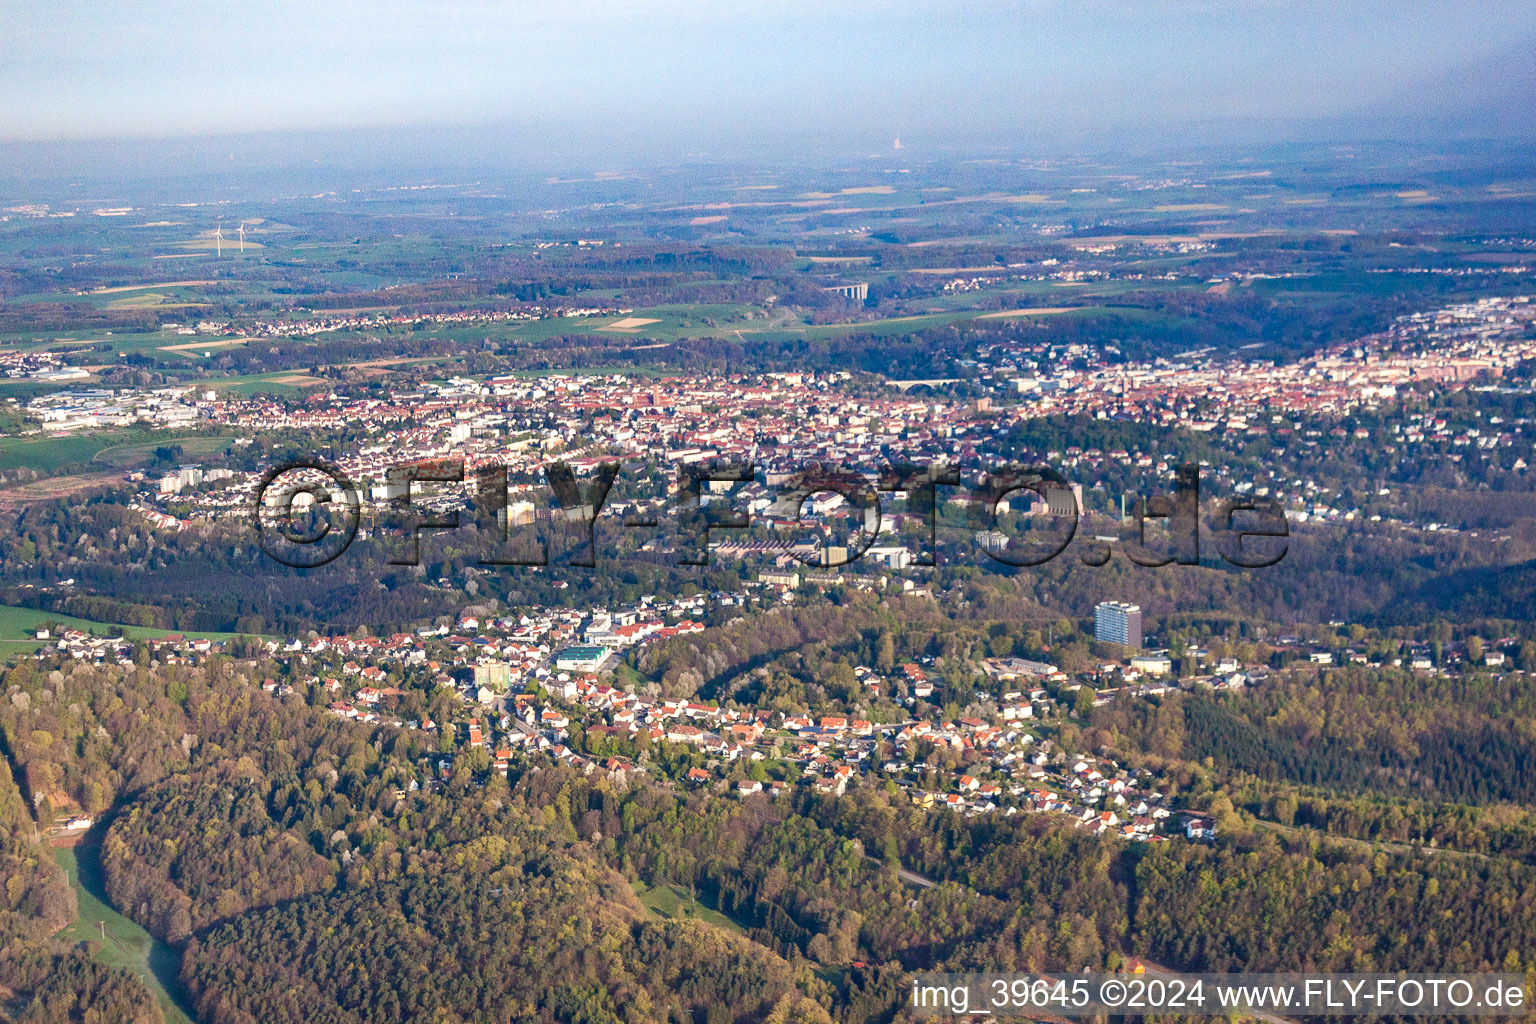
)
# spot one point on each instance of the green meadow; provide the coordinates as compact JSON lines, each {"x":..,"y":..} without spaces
{"x":19,"y":626}
{"x":673,"y":902}
{"x":117,"y":941}
{"x":118,"y":449}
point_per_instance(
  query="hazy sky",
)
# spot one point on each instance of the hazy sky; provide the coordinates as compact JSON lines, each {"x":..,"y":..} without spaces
{"x":712,"y":74}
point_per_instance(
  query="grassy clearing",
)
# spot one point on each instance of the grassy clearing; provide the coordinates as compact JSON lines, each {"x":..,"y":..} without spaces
{"x":54,"y":488}
{"x":592,"y":371}
{"x":121,"y":456}
{"x":149,"y":284}
{"x":668,"y":323}
{"x":49,"y":454}
{"x":262,"y":383}
{"x":151,"y":300}
{"x":879,"y":328}
{"x":19,"y":626}
{"x":120,"y":943}
{"x":26,"y":390}
{"x":897,"y":326}
{"x":673,"y":902}
{"x":115,"y":344}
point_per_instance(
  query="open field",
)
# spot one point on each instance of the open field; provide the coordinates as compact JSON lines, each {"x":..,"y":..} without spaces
{"x":266,"y":386}
{"x":149,"y":300}
{"x":25,"y":390}
{"x":230,"y":245}
{"x":120,"y":343}
{"x":895,"y":326}
{"x":120,"y":943}
{"x":125,"y":455}
{"x":194,"y":346}
{"x":630,"y":324}
{"x":48,"y":453}
{"x":672,"y":901}
{"x":263,"y":383}
{"x":1031,"y":311}
{"x":380,"y":367}
{"x":19,"y":626}
{"x":154,"y":284}
{"x":661,"y":323}
{"x":861,"y":190}
{"x":675,"y":323}
{"x":150,"y":294}
{"x":54,"y":488}
{"x":990,"y":268}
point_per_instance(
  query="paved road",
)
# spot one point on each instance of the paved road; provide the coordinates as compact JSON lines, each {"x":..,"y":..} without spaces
{"x":906,"y":876}
{"x":915,"y":878}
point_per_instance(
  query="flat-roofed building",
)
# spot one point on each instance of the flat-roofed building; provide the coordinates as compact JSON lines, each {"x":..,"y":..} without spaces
{"x":581,"y":659}
{"x":1117,"y":622}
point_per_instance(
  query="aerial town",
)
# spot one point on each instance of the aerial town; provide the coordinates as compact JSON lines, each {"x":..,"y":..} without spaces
{"x":783,"y":422}
{"x":447,"y":580}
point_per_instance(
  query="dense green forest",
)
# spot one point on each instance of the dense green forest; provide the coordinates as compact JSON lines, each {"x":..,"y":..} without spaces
{"x":1464,"y":739}
{"x":498,"y":937}
{"x":68,"y":988}
{"x":35,"y":902}
{"x":307,"y":879}
{"x":42,"y":981}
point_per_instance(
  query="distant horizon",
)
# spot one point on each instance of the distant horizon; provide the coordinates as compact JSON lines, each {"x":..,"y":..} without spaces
{"x":434,"y":151}
{"x":625,"y":83}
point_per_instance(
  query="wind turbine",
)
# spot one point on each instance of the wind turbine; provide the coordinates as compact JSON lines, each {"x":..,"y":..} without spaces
{"x":218,"y":239}
{"x":242,"y":236}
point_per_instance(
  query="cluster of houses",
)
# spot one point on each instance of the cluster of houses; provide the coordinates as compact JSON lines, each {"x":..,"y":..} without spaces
{"x":526,"y":682}
{"x":487,"y":658}
{"x":170,"y":648}
{"x":521,"y":696}
{"x":1004,"y":770}
{"x":535,"y":702}
{"x":1097,"y":794}
{"x":524,"y":423}
{"x":1003,"y":767}
{"x":988,"y":765}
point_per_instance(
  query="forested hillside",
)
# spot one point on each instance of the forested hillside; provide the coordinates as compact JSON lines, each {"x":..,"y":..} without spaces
{"x":257,"y":827}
